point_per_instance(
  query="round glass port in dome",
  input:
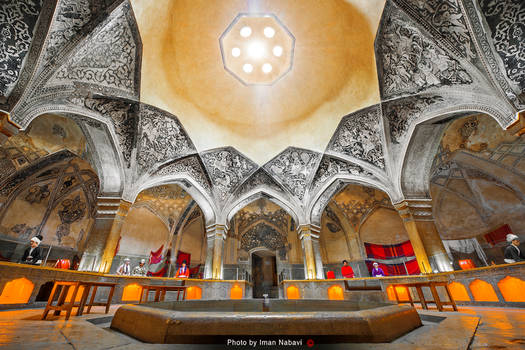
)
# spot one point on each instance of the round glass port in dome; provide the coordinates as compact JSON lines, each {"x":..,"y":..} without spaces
{"x":257,"y":49}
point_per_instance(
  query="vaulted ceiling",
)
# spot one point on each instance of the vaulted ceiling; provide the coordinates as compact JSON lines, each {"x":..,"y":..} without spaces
{"x":145,"y":83}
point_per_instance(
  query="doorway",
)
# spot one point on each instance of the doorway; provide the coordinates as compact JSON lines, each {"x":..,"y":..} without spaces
{"x":264,"y":272}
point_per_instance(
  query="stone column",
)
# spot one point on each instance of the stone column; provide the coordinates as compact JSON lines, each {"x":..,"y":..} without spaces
{"x":107,"y":208}
{"x":306,"y":236}
{"x":423,"y":234}
{"x":7,"y":128}
{"x":215,"y":235}
{"x":114,"y":236}
{"x":317,"y":252}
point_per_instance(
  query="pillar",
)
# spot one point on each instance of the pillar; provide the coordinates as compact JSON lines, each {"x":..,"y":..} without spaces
{"x":114,"y":236}
{"x":107,"y":208}
{"x":215,"y":235}
{"x":317,"y":257}
{"x":423,"y":234}
{"x":307,"y":236}
{"x":7,"y":128}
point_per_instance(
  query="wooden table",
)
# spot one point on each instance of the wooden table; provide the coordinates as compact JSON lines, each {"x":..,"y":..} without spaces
{"x":422,"y":300}
{"x":61,"y":304}
{"x":87,"y":286}
{"x":160,"y":292}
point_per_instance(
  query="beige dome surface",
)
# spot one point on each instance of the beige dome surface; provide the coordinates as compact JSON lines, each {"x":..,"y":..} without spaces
{"x":333,"y":72}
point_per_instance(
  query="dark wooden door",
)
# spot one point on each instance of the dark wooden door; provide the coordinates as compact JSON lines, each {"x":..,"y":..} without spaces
{"x":264,"y":272}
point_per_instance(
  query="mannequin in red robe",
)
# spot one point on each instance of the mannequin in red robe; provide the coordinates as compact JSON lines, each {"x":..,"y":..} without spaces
{"x":346,"y":270}
{"x":183,"y":271}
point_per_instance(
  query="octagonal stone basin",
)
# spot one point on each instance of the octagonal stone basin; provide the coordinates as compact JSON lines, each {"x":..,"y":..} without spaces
{"x":212,"y":321}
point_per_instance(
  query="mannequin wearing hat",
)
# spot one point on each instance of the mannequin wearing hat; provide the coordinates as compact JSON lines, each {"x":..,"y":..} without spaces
{"x":377,"y":271}
{"x":512,"y":252}
{"x":33,"y":254}
{"x":183,"y":271}
{"x":124,"y":269}
{"x":140,"y":270}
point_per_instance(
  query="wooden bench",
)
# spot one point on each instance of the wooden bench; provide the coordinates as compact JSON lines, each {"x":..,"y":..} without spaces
{"x":92,"y":302}
{"x":62,"y":304}
{"x":424,"y":303}
{"x":67,"y":305}
{"x":160,"y":292}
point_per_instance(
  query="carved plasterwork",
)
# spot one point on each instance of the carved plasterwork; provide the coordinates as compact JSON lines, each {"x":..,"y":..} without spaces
{"x":410,"y":62}
{"x":161,"y":138}
{"x":110,"y":57}
{"x":191,"y":166}
{"x":263,"y":212}
{"x":17,"y":25}
{"x":260,"y":179}
{"x":443,"y":18}
{"x":294,"y":168}
{"x":506,"y":20}
{"x":402,"y":113}
{"x":331,"y":166}
{"x":360,"y":201}
{"x":123,"y":116}
{"x":263,"y":235}
{"x":227,"y":169}
{"x":359,"y":135}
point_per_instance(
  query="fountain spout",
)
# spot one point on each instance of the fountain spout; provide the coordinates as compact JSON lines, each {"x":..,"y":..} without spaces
{"x":266,"y":303}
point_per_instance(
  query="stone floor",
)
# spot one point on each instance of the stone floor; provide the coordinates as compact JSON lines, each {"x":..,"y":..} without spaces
{"x":471,"y":328}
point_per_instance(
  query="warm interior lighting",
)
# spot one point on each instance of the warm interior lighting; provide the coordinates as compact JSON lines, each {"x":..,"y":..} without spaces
{"x":131,"y":292}
{"x":248,"y":68}
{"x":256,"y":50}
{"x":458,"y":291}
{"x":236,"y":292}
{"x":193,"y":293}
{"x":269,"y":32}
{"x":483,"y":291}
{"x":336,"y":293}
{"x":246,"y":32}
{"x":292,"y":292}
{"x":402,"y":293}
{"x":512,"y":289}
{"x":267,"y":68}
{"x":236,"y":52}
{"x":277,"y":51}
{"x":70,"y":293}
{"x":17,"y":291}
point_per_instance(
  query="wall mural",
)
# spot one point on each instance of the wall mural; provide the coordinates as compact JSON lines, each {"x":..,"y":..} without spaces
{"x":17,"y":24}
{"x":411,"y":62}
{"x":294,"y":168}
{"x":470,"y":194}
{"x":444,"y":18}
{"x":505,"y":20}
{"x":359,"y":135}
{"x":55,"y":197}
{"x":262,"y":235}
{"x":110,"y":57}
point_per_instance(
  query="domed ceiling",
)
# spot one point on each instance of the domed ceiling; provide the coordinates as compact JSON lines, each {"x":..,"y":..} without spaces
{"x":333,"y":72}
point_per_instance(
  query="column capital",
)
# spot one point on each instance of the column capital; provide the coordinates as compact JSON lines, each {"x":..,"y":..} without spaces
{"x":415,"y":209}
{"x":7,"y":127}
{"x":518,"y":126}
{"x":216,"y":231}
{"x":308,"y":230}
{"x":109,"y":207}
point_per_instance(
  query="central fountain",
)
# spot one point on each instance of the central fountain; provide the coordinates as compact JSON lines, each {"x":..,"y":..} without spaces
{"x":204,"y":321}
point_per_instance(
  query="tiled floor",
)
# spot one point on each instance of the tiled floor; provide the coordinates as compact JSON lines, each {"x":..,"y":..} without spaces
{"x":493,"y":328}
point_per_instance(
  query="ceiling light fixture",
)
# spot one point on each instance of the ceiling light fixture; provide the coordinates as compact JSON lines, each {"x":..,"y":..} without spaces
{"x":257,"y":48}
